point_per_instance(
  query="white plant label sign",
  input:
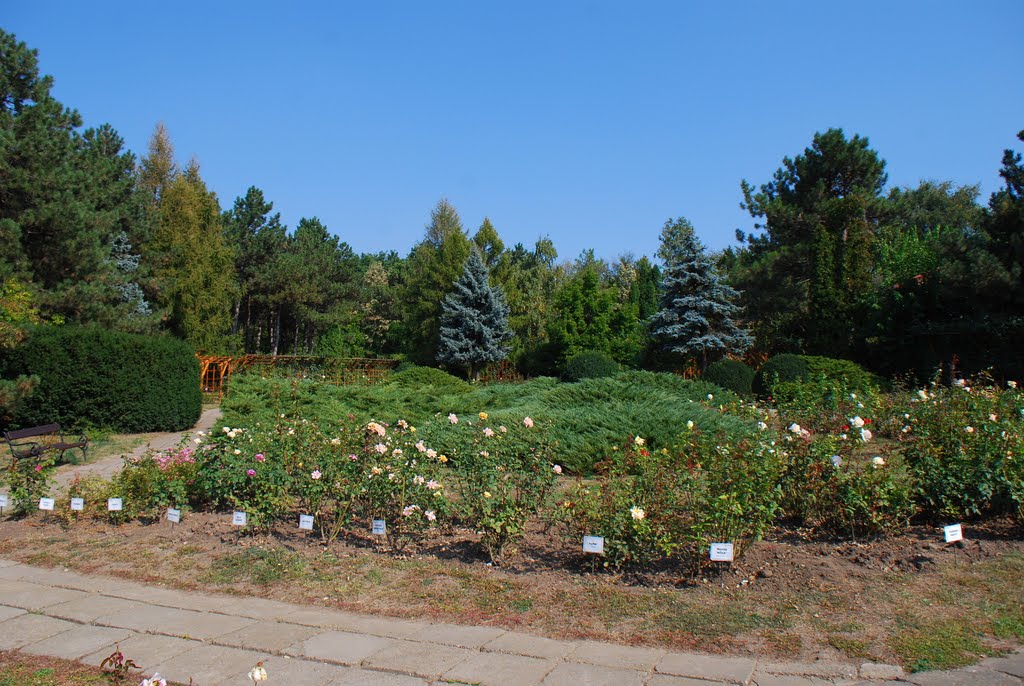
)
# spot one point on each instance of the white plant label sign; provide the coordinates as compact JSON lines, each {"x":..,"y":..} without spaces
{"x":238,"y":519}
{"x":46,"y":503}
{"x":379,"y":527}
{"x":953,"y":532}
{"x":78,"y":504}
{"x":115,"y":504}
{"x":593,"y":544}
{"x":306,"y":522}
{"x":173,"y":515}
{"x":3,"y":500}
{"x":721,"y":552}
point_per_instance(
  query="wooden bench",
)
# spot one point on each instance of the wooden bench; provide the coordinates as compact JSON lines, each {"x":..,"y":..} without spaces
{"x":39,"y":440}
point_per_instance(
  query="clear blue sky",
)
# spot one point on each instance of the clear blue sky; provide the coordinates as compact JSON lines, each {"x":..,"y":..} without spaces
{"x":590,"y":122}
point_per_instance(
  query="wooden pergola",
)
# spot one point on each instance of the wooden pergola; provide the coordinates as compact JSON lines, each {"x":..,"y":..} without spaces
{"x":216,"y":370}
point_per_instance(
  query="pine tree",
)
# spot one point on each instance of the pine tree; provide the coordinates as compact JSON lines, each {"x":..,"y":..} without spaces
{"x":474,"y":321}
{"x":695,"y":319}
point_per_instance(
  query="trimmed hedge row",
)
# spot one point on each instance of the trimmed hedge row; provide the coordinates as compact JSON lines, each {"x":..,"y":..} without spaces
{"x":90,"y":376}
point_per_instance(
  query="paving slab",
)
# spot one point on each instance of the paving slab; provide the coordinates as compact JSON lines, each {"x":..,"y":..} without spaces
{"x":354,"y":623}
{"x":80,"y":641}
{"x":92,"y":607}
{"x":426,"y":660}
{"x":339,"y":646}
{"x":175,"y":622}
{"x":208,"y":665}
{"x":968,"y":676}
{"x":496,"y":669}
{"x":1011,"y":664}
{"x":31,"y":596}
{"x":261,"y":608}
{"x":147,"y":650}
{"x":822,"y":668}
{"x":875,"y":671}
{"x":170,"y":597}
{"x":7,"y":612}
{"x":612,"y":655}
{"x":294,"y":672}
{"x":29,"y":628}
{"x":457,"y":635}
{"x":763,"y":679}
{"x":7,"y":563}
{"x":733,"y":670}
{"x":366,"y":677}
{"x":576,"y":674}
{"x":274,"y":637}
{"x":532,"y":646}
{"x":669,"y":680}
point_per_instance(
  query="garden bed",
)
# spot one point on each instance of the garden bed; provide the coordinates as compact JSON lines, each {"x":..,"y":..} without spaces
{"x":909,"y":598}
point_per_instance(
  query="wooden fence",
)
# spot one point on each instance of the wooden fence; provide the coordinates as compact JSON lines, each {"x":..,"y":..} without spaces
{"x":216,"y":370}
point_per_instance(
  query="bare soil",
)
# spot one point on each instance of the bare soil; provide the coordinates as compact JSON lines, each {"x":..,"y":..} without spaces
{"x":789,"y":597}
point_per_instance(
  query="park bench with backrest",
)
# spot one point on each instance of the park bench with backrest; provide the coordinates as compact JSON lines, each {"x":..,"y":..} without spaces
{"x":37,"y":441}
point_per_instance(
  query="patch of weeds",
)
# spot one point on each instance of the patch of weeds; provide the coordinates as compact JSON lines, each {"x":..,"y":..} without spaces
{"x":849,"y":646}
{"x":374,"y":575}
{"x":783,"y":642}
{"x":187,"y":551}
{"x":260,"y":566}
{"x":941,"y":644}
{"x":521,"y":604}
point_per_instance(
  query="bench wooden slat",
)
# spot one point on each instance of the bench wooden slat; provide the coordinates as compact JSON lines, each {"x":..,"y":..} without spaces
{"x":33,"y":431}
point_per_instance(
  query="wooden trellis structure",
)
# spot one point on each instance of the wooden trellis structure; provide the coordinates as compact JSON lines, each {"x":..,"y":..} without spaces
{"x":216,"y":370}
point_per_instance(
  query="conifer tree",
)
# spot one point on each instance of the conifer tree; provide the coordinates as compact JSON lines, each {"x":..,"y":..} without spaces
{"x":695,"y":319}
{"x":474,"y":321}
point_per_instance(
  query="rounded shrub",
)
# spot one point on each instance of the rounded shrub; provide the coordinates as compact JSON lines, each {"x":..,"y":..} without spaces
{"x":89,"y":376}
{"x":589,"y":365}
{"x":428,"y":376}
{"x":732,"y":375}
{"x":780,"y":369}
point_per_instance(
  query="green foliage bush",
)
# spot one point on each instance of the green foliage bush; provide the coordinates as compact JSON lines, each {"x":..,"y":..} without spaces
{"x":779,"y":368}
{"x":733,"y":375}
{"x":428,"y":376}
{"x":832,"y":486}
{"x":965,"y":447}
{"x":90,"y":376}
{"x":589,"y":365}
{"x":673,"y":503}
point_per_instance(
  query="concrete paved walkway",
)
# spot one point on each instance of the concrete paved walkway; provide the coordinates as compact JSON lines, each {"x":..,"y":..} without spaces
{"x":216,"y":639}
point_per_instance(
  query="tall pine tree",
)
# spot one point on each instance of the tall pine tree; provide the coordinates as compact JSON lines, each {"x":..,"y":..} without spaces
{"x":695,"y":319}
{"x":474,"y":321}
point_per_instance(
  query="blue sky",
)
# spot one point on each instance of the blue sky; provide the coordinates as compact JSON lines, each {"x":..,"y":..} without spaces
{"x":589,"y":122}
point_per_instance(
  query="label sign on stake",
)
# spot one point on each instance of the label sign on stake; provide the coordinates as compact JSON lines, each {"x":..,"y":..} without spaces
{"x":115,"y":504}
{"x":173,"y":515}
{"x":721,"y":552}
{"x":3,"y":500}
{"x":953,"y":532}
{"x":306,"y":522}
{"x":378,"y":527}
{"x":593,"y":544}
{"x":78,"y":504}
{"x":46,"y":503}
{"x":238,"y":519}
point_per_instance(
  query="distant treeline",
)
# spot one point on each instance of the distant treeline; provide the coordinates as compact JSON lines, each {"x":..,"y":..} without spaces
{"x":835,"y":262}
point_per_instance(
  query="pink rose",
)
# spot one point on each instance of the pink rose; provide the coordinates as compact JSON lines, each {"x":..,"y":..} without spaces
{"x":251,"y":472}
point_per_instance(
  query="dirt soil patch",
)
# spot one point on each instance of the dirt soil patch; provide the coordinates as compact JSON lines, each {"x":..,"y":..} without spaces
{"x":909,"y":599}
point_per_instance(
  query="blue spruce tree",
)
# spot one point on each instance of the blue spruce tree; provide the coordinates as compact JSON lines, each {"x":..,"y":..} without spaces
{"x":474,"y":321}
{"x":695,"y":319}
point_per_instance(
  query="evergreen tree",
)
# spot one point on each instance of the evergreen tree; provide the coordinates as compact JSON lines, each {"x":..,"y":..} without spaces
{"x":434,"y":265}
{"x":697,"y":307}
{"x":474,"y":321}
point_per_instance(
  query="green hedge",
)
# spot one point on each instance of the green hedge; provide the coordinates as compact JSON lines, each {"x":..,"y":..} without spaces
{"x":589,"y":365}
{"x":731,"y":375}
{"x":90,"y":376}
{"x":786,"y":368}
